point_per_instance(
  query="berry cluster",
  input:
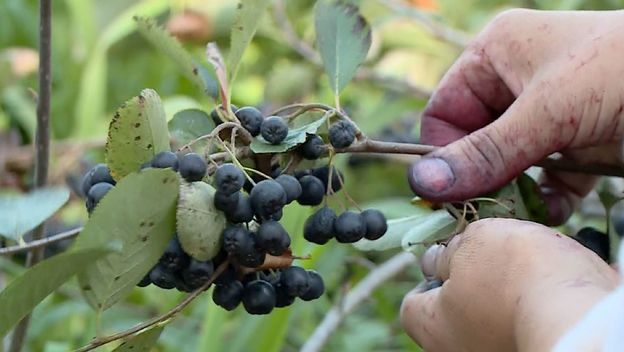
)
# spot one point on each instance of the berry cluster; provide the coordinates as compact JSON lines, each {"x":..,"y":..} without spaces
{"x":260,"y":292}
{"x":253,"y":206}
{"x":176,"y":269}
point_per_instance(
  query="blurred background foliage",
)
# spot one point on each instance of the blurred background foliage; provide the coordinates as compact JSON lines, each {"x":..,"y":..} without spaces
{"x":100,"y":61}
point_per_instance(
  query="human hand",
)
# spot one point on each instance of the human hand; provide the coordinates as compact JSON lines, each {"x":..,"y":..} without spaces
{"x":532,"y":83}
{"x":509,"y":285}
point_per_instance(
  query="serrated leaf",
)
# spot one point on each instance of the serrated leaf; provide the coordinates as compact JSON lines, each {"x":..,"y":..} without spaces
{"x":23,"y":294}
{"x":248,"y":16}
{"x":199,"y":223}
{"x":424,"y":226}
{"x":343,"y":38}
{"x":139,"y":212}
{"x":20,"y":213}
{"x":137,"y":132}
{"x":295,"y":137}
{"x":142,"y":342}
{"x":187,"y":125}
{"x":170,"y":46}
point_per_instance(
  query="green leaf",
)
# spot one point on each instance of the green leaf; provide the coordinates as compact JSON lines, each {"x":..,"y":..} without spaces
{"x":187,"y":125}
{"x":199,"y":223}
{"x":22,"y":213}
{"x":295,"y":137}
{"x":137,"y":132}
{"x":425,"y":226}
{"x":508,"y":203}
{"x":139,"y":212}
{"x":535,"y":205}
{"x":248,"y":16}
{"x":23,"y":294}
{"x":142,"y":342}
{"x":343,"y":38}
{"x":435,"y":227}
{"x":170,"y":46}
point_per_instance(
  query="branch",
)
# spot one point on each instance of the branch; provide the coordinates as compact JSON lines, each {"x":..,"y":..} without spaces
{"x":551,"y":163}
{"x":42,"y":143}
{"x":354,"y":298}
{"x":450,"y":35}
{"x":41,"y":243}
{"x":97,"y":342}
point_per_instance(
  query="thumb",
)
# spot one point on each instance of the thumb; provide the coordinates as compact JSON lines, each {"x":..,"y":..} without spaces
{"x":490,"y":157}
{"x":422,"y":319}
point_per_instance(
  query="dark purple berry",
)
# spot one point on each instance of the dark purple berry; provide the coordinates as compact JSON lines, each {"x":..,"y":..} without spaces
{"x":596,"y":241}
{"x":312,"y":191}
{"x":251,"y":119}
{"x":250,"y":255}
{"x":291,"y":186}
{"x":376,"y":224}
{"x":349,"y":227}
{"x":197,"y":273}
{"x":337,"y":178}
{"x":313,"y":148}
{"x":98,"y":191}
{"x":341,"y":134}
{"x":229,"y":178}
{"x":215,"y":116}
{"x":164,"y":160}
{"x":174,"y":258}
{"x":273,"y":238}
{"x":229,"y":295}
{"x":236,"y":239}
{"x":145,"y":281}
{"x":319,"y":227}
{"x":267,"y":198}
{"x":242,"y":212}
{"x":192,"y":167}
{"x":162,"y":277}
{"x":274,"y":129}
{"x":259,"y":297}
{"x":295,"y":280}
{"x":316,"y":287}
{"x":227,"y":203}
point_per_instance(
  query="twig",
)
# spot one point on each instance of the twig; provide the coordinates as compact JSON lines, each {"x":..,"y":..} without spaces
{"x":438,"y":30}
{"x":301,"y":47}
{"x":97,"y":342}
{"x":394,"y":84}
{"x":354,"y":298}
{"x":551,"y":163}
{"x":41,"y":243}
{"x":42,"y":144}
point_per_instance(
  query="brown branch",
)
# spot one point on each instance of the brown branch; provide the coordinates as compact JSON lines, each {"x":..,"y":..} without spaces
{"x":42,"y":144}
{"x":97,"y":342}
{"x":551,"y":163}
{"x":41,"y":243}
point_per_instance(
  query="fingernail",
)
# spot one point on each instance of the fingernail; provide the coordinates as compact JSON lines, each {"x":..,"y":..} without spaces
{"x":431,"y":175}
{"x":428,"y":260}
{"x":427,"y":285}
{"x":431,"y":284}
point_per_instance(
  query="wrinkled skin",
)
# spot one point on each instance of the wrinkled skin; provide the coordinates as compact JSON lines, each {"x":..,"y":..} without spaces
{"x":509,"y":285}
{"x":532,"y":83}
